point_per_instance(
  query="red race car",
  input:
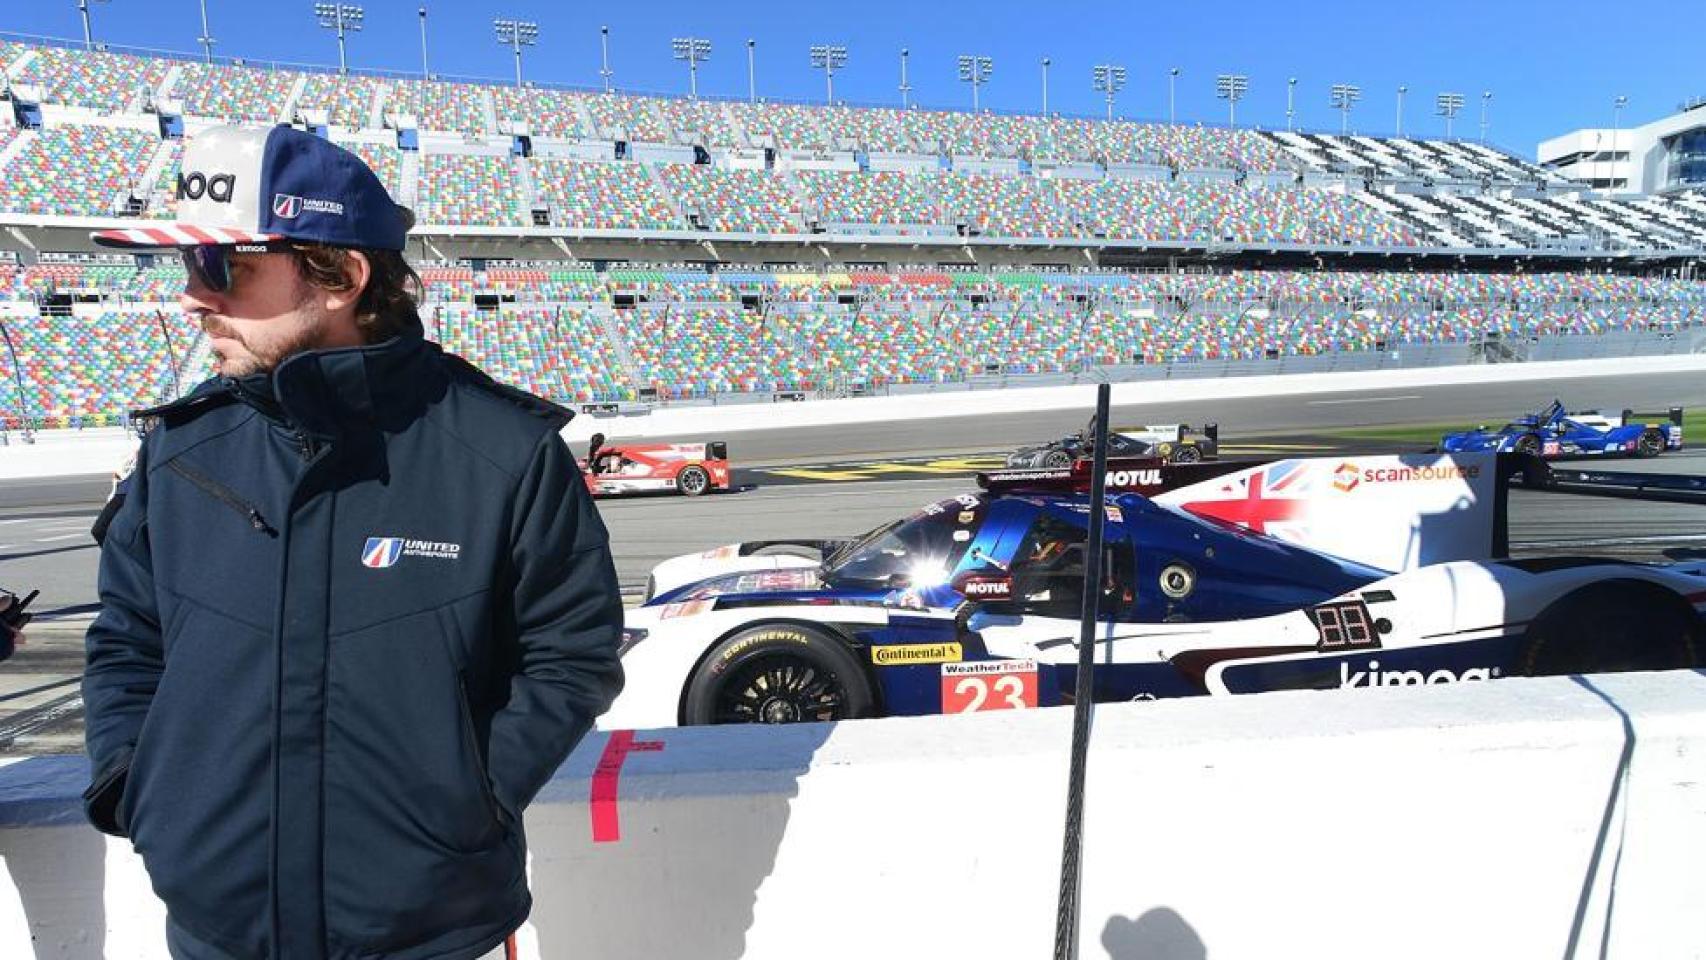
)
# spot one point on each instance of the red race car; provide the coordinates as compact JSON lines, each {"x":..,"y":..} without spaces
{"x":690,"y":468}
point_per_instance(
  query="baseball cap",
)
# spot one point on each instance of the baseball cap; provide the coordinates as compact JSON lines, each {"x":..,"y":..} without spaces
{"x":256,"y":185}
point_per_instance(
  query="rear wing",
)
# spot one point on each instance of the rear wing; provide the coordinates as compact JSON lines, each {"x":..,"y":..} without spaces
{"x":1673,"y":416}
{"x":1169,"y":433}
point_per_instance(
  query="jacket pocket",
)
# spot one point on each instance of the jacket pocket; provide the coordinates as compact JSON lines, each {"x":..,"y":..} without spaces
{"x":224,"y":495}
{"x":411,"y":821}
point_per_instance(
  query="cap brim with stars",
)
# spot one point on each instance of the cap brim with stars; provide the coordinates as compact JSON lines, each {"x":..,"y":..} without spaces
{"x":244,"y":185}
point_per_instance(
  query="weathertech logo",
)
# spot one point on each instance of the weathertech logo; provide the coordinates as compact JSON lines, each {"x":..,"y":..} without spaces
{"x":382,"y":552}
{"x":287,"y":206}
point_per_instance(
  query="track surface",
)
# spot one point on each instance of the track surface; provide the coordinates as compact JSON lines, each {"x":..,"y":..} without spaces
{"x":48,"y":547}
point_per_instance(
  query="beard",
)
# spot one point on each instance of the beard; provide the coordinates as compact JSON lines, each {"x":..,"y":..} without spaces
{"x":258,"y":354}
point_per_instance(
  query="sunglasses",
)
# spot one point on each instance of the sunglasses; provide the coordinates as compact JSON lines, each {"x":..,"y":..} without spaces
{"x":210,"y":264}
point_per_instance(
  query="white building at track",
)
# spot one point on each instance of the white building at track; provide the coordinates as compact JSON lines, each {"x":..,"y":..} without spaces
{"x":1663,"y":156}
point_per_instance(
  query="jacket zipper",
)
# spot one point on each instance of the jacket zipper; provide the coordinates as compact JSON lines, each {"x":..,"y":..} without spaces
{"x":225,"y":495}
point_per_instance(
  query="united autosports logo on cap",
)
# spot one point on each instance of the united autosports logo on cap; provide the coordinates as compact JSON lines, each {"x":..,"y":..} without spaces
{"x":381,"y":552}
{"x":286,"y":206}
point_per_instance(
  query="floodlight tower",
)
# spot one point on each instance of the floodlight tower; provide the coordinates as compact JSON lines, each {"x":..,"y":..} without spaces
{"x":426,"y":72}
{"x":1108,"y":79}
{"x":828,"y":57}
{"x":751,"y":71}
{"x":1172,"y":81}
{"x":1290,"y":101}
{"x":206,"y":38}
{"x":1399,"y":127}
{"x":343,"y":19}
{"x":1448,"y":105}
{"x":1343,"y":97}
{"x":1231,"y":87}
{"x":516,"y":34}
{"x":695,"y":50}
{"x":1486,"y":98}
{"x":975,"y":70}
{"x":1046,"y":63}
{"x":905,"y":87}
{"x":1617,"y":106}
{"x":88,"y":35}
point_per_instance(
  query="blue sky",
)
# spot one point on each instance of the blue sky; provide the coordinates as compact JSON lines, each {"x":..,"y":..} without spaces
{"x":1551,"y":67}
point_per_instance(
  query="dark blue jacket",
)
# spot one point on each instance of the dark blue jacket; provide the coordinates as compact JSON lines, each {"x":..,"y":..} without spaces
{"x":353,"y":617}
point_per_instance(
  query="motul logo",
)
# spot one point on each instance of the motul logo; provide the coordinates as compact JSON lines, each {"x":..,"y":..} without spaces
{"x":988,"y":588}
{"x":195,"y":185}
{"x":1133,"y":478}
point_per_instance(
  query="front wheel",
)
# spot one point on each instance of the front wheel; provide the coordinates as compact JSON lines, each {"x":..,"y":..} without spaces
{"x":778,"y":673}
{"x":1057,"y":460}
{"x":1611,"y":627}
{"x":693,"y":481}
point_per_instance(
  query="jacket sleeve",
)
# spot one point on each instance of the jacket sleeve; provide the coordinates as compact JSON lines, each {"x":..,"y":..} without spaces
{"x":123,"y":655}
{"x":568,"y":623}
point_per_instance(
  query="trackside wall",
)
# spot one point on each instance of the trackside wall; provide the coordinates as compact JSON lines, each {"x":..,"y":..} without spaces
{"x":1546,"y":818}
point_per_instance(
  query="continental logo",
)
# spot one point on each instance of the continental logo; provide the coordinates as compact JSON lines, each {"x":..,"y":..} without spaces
{"x":733,"y":651}
{"x":1348,"y":476}
{"x":909,"y":654}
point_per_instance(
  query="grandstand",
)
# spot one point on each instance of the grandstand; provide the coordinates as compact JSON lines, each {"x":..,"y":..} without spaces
{"x":620,"y":248}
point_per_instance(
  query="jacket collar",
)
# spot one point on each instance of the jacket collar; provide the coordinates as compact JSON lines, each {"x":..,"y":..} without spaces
{"x":329,"y":393}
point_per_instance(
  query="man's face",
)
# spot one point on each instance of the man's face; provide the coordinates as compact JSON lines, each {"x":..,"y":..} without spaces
{"x":269,"y":313}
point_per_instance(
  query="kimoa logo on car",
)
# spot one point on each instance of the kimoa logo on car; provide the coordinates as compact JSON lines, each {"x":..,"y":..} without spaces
{"x":1376,"y":677}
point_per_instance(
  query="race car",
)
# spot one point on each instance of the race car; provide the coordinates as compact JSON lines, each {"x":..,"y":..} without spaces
{"x":1555,"y":432}
{"x":1173,"y":443}
{"x":1237,"y":577}
{"x":688,"y":468}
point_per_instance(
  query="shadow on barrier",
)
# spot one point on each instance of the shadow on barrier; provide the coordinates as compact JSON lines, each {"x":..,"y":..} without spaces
{"x":684,"y":873}
{"x":1159,"y":934}
{"x":56,"y":860}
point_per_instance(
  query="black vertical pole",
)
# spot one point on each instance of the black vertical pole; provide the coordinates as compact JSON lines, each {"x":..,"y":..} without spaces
{"x":1066,"y":916}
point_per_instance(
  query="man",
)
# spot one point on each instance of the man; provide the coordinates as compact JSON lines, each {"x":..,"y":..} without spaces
{"x":357,"y":604}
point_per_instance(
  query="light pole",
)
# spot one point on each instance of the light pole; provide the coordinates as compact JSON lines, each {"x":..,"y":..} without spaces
{"x":751,"y":72}
{"x":1448,"y":105}
{"x":1290,"y":101}
{"x":604,"y":71}
{"x":426,"y":72}
{"x":88,"y":35}
{"x":1486,"y":98}
{"x":343,"y":18}
{"x":1344,"y":95}
{"x":1399,"y":127}
{"x":694,"y":50}
{"x":516,"y":34}
{"x":1617,"y":106}
{"x":905,"y":88}
{"x":206,"y":38}
{"x":828,"y":58}
{"x":1231,"y":87}
{"x":1172,"y":82}
{"x":1046,"y":62}
{"x":1108,"y":79}
{"x":975,"y":70}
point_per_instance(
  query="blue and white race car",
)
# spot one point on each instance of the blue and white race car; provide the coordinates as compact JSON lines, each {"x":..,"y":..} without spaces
{"x":1555,"y":432}
{"x":1216,"y":578}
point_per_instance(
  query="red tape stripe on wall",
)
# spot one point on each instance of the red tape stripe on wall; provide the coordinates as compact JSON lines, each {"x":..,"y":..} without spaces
{"x":606,"y":783}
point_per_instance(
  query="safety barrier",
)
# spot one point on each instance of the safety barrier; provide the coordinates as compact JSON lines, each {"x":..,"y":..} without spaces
{"x":1516,"y":818}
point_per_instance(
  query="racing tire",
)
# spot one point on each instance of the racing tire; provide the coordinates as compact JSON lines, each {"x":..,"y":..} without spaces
{"x":1613,"y":626}
{"x":693,"y":481}
{"x":1651,"y":443}
{"x":778,"y":673}
{"x":1185,"y":454}
{"x":1057,"y":460}
{"x":1529,"y":444}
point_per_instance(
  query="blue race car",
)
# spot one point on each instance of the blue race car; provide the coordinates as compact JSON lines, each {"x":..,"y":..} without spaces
{"x":1242,"y":577}
{"x":1555,"y":432}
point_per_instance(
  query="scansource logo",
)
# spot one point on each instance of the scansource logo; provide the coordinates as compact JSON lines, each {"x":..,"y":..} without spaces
{"x":1345,"y":477}
{"x":1348,"y":476}
{"x":906,"y":655}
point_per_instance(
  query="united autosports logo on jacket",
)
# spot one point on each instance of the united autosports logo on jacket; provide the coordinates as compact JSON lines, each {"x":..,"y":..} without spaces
{"x":382,"y":552}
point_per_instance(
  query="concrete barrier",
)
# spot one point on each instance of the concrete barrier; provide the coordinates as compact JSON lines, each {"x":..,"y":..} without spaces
{"x":71,"y":453}
{"x":1524,"y":818}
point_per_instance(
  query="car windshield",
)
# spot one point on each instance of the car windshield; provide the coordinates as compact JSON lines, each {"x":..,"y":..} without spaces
{"x":923,"y":548}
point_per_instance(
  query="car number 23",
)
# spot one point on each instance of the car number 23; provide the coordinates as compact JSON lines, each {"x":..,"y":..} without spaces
{"x":998,"y":685}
